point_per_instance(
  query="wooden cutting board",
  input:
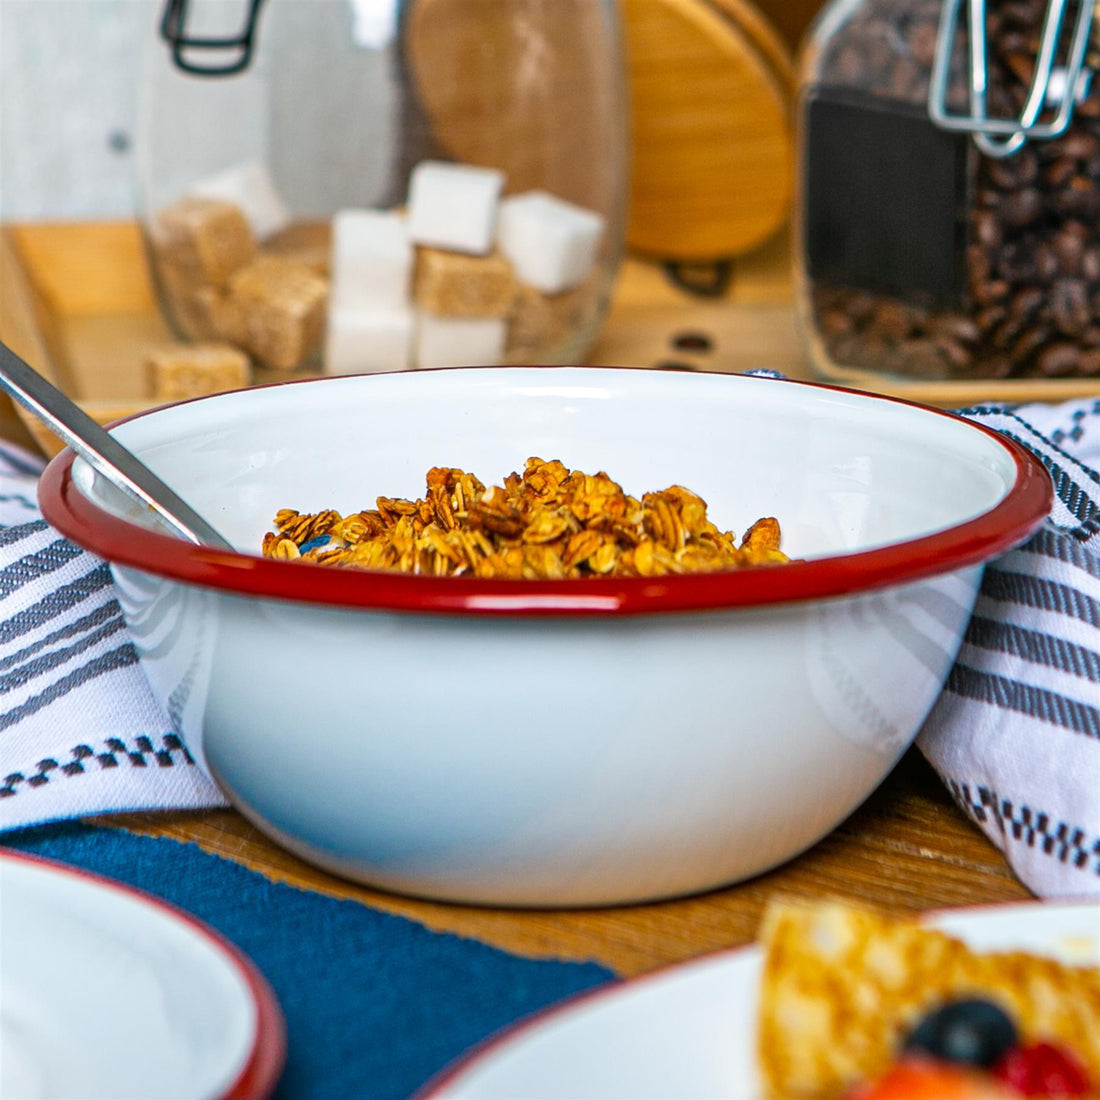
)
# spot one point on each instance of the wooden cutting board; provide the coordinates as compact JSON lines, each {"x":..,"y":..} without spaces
{"x":710,"y":86}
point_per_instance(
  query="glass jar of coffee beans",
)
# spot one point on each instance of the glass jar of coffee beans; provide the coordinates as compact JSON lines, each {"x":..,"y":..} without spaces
{"x":948,"y":221}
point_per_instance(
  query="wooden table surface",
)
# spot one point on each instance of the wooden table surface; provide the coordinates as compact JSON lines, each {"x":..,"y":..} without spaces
{"x":75,"y":301}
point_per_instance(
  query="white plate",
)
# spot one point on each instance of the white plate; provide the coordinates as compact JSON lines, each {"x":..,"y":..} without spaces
{"x":687,"y":1031}
{"x":108,"y":993}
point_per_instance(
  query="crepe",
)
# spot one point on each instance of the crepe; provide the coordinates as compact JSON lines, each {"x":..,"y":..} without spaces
{"x":843,"y":986}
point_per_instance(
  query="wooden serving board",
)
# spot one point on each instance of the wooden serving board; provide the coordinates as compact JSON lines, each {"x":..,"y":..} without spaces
{"x":76,"y":301}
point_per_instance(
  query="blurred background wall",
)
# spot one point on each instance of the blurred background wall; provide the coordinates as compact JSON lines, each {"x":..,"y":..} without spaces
{"x":68,"y":101}
{"x":69,"y":91}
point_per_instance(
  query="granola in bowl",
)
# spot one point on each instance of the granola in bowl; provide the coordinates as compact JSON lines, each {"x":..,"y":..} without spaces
{"x":548,"y":522}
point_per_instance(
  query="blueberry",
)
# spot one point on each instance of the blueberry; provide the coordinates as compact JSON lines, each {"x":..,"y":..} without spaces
{"x":313,"y":543}
{"x":972,"y":1032}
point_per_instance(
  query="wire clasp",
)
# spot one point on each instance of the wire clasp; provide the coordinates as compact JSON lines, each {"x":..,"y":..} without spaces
{"x":1055,"y":89}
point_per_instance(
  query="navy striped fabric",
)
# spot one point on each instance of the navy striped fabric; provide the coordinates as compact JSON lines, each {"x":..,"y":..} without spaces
{"x":1016,"y":734}
{"x":80,"y":732}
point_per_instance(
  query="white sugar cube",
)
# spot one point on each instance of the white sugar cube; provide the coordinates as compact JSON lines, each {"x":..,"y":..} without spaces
{"x":250,"y":188}
{"x":359,"y":341}
{"x":459,"y":341}
{"x":454,"y":206}
{"x":372,"y":260}
{"x":551,"y":243}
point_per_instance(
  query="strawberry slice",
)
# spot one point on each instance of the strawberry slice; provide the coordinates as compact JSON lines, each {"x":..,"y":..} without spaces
{"x":1042,"y":1069}
{"x":927,"y":1079}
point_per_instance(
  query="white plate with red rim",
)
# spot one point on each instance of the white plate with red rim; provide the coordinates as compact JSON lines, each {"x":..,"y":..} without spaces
{"x":108,"y":993}
{"x":687,"y":1032}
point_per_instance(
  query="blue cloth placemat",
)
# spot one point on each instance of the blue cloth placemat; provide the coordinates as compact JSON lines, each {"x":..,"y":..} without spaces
{"x":375,"y":1004}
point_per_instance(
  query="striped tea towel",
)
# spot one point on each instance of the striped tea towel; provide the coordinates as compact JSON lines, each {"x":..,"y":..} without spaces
{"x":1016,"y":734}
{"x":80,"y":732}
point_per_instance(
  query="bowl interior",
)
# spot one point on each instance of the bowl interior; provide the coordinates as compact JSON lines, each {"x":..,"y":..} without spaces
{"x":842,"y":472}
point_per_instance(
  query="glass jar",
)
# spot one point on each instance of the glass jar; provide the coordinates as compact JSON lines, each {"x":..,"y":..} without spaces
{"x":948,"y":219}
{"x":352,"y":185}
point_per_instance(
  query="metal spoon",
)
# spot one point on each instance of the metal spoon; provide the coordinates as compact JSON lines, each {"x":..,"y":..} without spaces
{"x":102,"y":451}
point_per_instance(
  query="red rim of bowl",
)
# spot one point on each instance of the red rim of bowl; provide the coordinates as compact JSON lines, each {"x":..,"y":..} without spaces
{"x":1008,"y":523}
{"x":266,"y":1058}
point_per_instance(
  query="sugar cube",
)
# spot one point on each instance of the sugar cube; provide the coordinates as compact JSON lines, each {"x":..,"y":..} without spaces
{"x":551,"y":243}
{"x":454,"y":206}
{"x":358,"y":341}
{"x":459,"y":341}
{"x":281,"y":307}
{"x":205,"y":238}
{"x":451,"y":284}
{"x":372,"y":259}
{"x":180,"y":290}
{"x":307,"y":241}
{"x":250,"y":188}
{"x":217,"y":314}
{"x":180,"y":371}
{"x":550,"y":325}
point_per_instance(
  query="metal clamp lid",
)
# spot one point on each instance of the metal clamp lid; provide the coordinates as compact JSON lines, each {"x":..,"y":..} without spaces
{"x":1056,"y":88}
{"x":173,"y":31}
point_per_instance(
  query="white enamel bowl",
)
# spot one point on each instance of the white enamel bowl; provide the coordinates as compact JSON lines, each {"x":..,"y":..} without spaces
{"x":561,"y":742}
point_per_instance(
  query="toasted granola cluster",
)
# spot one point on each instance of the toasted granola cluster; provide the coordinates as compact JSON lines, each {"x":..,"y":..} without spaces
{"x":547,"y":523}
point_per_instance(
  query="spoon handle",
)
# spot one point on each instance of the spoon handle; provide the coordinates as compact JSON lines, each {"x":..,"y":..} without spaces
{"x":101,"y":450}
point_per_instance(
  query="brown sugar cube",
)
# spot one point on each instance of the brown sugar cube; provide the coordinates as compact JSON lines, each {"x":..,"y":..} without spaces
{"x":198,"y":310}
{"x":217,"y":312}
{"x":309,"y":243}
{"x":206,"y":238}
{"x":280,"y":307}
{"x":451,"y":284}
{"x":180,"y":371}
{"x":179,"y":289}
{"x":541,"y":324}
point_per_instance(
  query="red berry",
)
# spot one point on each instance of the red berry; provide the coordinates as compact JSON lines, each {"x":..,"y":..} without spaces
{"x":926,"y":1079}
{"x":1043,"y":1069}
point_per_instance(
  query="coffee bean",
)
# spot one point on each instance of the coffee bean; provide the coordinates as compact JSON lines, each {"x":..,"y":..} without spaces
{"x":953,"y":326}
{"x":1022,"y":66}
{"x":1030,"y":341}
{"x":893,"y":320}
{"x":701,"y":341}
{"x":1069,"y":248}
{"x":1076,"y":200}
{"x":1080,"y":144}
{"x":922,"y":357}
{"x":1088,"y":363}
{"x":1059,"y":173}
{"x":1026,"y":302}
{"x":922,"y":42}
{"x":989,"y":319}
{"x":1069,"y":306}
{"x":1001,"y":175}
{"x":987,"y":229}
{"x":1004,"y":335}
{"x":1020,"y":208}
{"x":1058,"y":359}
{"x":956,"y":353}
{"x":992,"y":291}
{"x":1046,"y":261}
